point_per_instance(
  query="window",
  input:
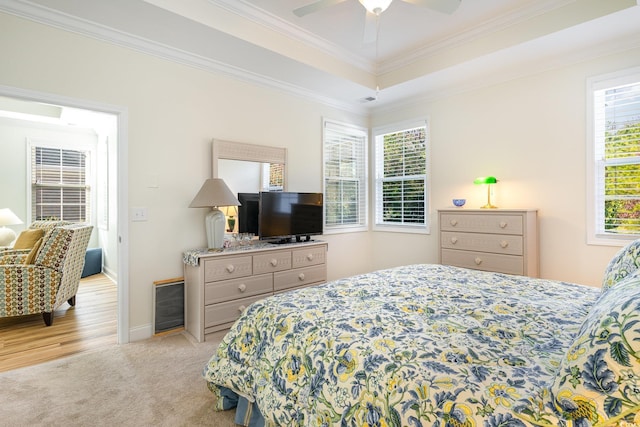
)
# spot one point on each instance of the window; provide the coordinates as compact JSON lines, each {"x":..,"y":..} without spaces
{"x":401,"y":202}
{"x":60,"y":183}
{"x":345,"y":178}
{"x":614,"y":158}
{"x":272,"y":177}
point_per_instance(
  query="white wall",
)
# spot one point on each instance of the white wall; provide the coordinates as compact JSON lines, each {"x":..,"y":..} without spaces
{"x":529,"y":132}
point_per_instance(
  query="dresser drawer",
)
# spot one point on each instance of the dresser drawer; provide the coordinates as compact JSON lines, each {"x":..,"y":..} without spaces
{"x":226,"y":312}
{"x":227,"y":268}
{"x":308,"y":256}
{"x":299,"y":277}
{"x":509,"y":264}
{"x":274,"y":261}
{"x":482,"y":223}
{"x":226,"y":290}
{"x":495,"y":243}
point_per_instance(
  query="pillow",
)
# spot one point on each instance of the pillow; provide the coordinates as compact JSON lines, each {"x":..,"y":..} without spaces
{"x":598,"y":380}
{"x":28,"y":238}
{"x":34,"y":251}
{"x":625,"y":262}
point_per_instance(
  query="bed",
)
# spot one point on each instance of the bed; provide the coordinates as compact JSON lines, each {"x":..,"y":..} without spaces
{"x":434,"y":345}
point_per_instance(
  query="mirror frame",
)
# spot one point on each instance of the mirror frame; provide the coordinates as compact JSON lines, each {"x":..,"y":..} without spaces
{"x":232,"y":150}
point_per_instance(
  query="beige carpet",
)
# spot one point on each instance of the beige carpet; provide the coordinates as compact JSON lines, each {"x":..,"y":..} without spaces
{"x":151,"y":383}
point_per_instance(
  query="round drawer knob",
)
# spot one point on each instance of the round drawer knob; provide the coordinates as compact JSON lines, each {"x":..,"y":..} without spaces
{"x":301,"y":276}
{"x":454,"y":240}
{"x":453,"y":222}
{"x":504,"y":244}
{"x":241,"y":308}
{"x":478,"y":261}
{"x":231,"y":268}
{"x":503,"y":224}
{"x":242,"y":287}
{"x":274,"y":262}
{"x":310,"y":257}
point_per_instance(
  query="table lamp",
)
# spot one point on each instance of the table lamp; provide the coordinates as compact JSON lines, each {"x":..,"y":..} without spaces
{"x":7,"y":235}
{"x":487,"y":180}
{"x":230,"y":212}
{"x":213,"y":194}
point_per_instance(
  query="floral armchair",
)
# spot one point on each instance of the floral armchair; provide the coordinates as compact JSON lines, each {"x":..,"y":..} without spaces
{"x":49,"y":275}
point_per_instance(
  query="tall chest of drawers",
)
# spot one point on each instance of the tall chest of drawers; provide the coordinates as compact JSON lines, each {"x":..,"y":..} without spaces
{"x":500,"y":240}
{"x":220,"y":285}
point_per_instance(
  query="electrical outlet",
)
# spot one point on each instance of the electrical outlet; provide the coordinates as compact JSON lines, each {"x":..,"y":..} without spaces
{"x":139,"y":214}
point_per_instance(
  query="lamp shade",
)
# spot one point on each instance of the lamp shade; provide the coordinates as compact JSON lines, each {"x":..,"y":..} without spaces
{"x":376,"y":6}
{"x":7,"y":217}
{"x":485,"y":180}
{"x":213,"y":193}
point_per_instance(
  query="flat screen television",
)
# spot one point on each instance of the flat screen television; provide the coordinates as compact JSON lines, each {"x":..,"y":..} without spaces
{"x":248,"y":212}
{"x":285,"y":215}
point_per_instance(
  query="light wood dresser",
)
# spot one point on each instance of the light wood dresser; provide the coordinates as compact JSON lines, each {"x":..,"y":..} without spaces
{"x":500,"y":240}
{"x":220,"y":285}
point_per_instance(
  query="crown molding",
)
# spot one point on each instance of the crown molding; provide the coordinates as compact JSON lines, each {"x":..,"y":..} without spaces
{"x":489,"y":26}
{"x":261,"y":17}
{"x":594,"y":52}
{"x":54,"y":18}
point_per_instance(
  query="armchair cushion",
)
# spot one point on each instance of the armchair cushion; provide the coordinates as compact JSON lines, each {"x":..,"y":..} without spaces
{"x":30,"y":258}
{"x":54,"y":248}
{"x":28,"y":238}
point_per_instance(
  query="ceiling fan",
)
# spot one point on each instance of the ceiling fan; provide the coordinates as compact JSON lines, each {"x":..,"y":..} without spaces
{"x":375,"y":8}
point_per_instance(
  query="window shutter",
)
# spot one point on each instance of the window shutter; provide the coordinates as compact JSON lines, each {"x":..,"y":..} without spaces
{"x":401,"y":177}
{"x":59,"y":184}
{"x":345,"y":190}
{"x":617,"y":159}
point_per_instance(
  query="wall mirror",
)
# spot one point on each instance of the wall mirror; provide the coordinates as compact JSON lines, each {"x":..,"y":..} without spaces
{"x":249,"y":168}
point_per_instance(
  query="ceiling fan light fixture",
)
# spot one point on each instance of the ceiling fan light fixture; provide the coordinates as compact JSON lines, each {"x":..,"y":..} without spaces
{"x":375,"y":6}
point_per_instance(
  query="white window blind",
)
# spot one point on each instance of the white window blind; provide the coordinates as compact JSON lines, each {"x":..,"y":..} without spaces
{"x":401,"y":178}
{"x":616,"y":157}
{"x":59,"y":184}
{"x":345,"y":178}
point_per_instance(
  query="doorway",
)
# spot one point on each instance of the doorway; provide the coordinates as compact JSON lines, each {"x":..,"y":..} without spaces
{"x":111,"y":223}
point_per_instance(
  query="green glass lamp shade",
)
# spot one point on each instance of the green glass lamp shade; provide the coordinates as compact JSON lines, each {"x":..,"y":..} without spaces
{"x":487,"y":180}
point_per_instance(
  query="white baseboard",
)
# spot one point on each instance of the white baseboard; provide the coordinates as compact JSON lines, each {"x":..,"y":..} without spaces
{"x":140,"y":333}
{"x":113,"y":275}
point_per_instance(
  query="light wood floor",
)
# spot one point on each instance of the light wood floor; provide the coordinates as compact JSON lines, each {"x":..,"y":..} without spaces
{"x":90,"y":325}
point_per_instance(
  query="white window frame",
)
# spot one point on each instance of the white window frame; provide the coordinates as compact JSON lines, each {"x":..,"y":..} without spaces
{"x":90,"y":170}
{"x":595,"y":158}
{"x":360,"y":135}
{"x":377,"y":138}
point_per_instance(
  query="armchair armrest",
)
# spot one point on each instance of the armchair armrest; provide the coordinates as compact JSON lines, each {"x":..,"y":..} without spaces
{"x":17,"y":256}
{"x":27,"y":289}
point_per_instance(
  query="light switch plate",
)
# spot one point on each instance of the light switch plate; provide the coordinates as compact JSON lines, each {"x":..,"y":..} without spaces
{"x":139,"y":214}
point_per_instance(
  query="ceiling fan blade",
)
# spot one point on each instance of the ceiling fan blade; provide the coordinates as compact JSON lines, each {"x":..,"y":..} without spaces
{"x":316,"y":6}
{"x":370,"y":28}
{"x":444,"y":6}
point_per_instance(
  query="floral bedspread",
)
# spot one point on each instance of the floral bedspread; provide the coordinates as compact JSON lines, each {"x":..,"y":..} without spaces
{"x":421,"y":345}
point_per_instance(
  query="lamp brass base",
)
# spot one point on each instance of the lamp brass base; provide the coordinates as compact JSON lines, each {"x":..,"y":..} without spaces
{"x":488,"y":205}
